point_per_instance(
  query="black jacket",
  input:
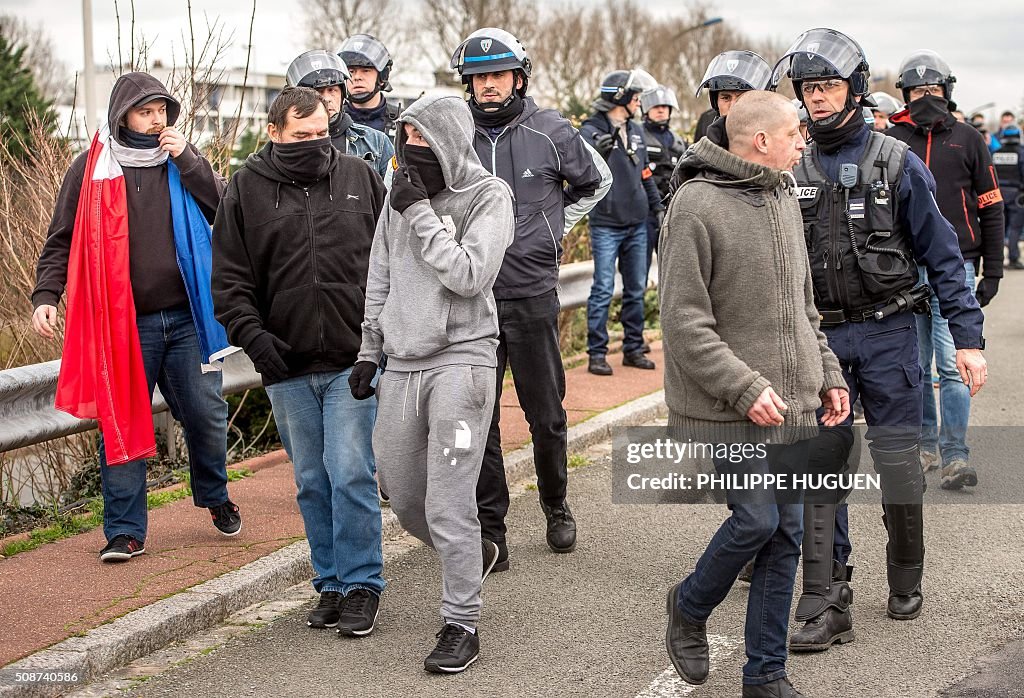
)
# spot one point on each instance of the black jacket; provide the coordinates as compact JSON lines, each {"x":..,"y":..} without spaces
{"x":633,"y":194}
{"x":966,"y":187}
{"x":292,"y":260}
{"x":546,"y":163}
{"x":153,"y":267}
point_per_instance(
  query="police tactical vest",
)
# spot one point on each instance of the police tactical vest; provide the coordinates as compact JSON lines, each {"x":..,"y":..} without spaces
{"x":1007,"y":162}
{"x":859,"y":254}
{"x":392,"y":111}
{"x":663,"y":160}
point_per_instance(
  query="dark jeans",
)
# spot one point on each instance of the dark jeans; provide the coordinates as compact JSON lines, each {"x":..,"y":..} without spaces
{"x":528,"y":343}
{"x":653,"y":233}
{"x":629,"y":247}
{"x":769,"y":533}
{"x":882,"y":367}
{"x":172,"y":358}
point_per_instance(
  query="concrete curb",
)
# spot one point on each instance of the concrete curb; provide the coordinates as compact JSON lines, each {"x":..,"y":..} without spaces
{"x":148,"y":629}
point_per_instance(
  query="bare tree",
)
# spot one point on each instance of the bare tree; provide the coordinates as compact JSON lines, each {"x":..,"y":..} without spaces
{"x":329,"y":22}
{"x":51,"y":75}
{"x":448,"y":22}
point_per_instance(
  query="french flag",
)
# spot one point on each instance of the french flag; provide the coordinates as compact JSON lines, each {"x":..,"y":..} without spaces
{"x":102,"y":375}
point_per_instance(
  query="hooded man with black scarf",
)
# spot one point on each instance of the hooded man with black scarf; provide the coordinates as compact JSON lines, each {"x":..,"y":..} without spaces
{"x":291,"y":249}
{"x":430,"y":309}
{"x":161,"y":171}
{"x":968,"y":194}
{"x":869,"y":218}
{"x":555,"y":179}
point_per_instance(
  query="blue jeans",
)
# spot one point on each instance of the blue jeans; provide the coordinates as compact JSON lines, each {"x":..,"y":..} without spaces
{"x":172,"y":359}
{"x":327,"y":434}
{"x":954,"y":397}
{"x":769,"y":533}
{"x":629,"y":247}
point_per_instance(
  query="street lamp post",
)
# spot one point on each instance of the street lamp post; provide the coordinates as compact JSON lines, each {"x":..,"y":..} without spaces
{"x":88,"y":70}
{"x":706,"y":23}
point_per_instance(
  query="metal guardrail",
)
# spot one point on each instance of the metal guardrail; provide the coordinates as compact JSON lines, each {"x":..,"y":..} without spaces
{"x":27,"y":415}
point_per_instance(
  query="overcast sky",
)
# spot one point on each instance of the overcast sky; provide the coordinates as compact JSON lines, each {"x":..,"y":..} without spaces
{"x":982,"y":41}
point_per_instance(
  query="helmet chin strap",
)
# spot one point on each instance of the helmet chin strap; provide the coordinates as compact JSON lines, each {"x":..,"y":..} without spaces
{"x":365,"y":97}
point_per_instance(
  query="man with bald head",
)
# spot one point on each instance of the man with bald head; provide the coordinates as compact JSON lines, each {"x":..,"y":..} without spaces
{"x":735,"y":280}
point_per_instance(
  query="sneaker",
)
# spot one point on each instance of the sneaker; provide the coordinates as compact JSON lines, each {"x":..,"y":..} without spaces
{"x":385,"y":500}
{"x":326,"y":613}
{"x":122,"y":548}
{"x":957,"y":473}
{"x":636,"y":359}
{"x":456,"y":649}
{"x":501,"y":564}
{"x":929,"y":461}
{"x":599,"y":366}
{"x":226,"y":518}
{"x":358,"y":613}
{"x":561,"y":533}
{"x":491,"y":553}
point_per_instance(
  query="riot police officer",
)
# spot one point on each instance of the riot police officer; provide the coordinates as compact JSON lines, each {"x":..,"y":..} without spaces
{"x":369,"y":63}
{"x":728,"y":76}
{"x":664,"y":148}
{"x":326,"y":73}
{"x":1009,"y":162}
{"x":869,"y":214}
{"x":556,"y":179}
{"x":885,"y":106}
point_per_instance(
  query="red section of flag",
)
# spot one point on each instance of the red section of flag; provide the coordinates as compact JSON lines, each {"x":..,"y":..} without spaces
{"x":102,"y":375}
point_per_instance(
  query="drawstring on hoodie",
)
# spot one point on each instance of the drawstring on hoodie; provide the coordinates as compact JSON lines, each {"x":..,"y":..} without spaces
{"x":330,"y":185}
{"x":277,"y":201}
{"x":138,"y":181}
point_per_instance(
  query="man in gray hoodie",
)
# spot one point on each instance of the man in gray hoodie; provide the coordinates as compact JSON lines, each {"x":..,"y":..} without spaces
{"x":745,"y":362}
{"x":439,"y":244}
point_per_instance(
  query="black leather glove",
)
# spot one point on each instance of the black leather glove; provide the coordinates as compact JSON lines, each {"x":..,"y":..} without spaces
{"x":407,"y":188}
{"x":360,"y":378}
{"x":987,"y":289}
{"x":266,"y":352}
{"x":604,"y":144}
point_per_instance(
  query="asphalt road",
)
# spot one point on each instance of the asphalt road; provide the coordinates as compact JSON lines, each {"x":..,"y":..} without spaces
{"x":592,"y":623}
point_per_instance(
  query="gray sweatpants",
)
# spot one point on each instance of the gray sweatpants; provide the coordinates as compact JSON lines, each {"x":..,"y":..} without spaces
{"x":429,"y":441}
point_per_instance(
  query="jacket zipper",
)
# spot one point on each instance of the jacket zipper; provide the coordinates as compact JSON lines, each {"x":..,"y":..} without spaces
{"x":494,"y":153}
{"x":928,"y":152}
{"x":316,"y":278}
{"x":833,"y":242}
{"x":551,"y":232}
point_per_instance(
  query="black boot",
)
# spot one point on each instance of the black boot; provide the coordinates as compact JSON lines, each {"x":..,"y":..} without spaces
{"x":561,"y":534}
{"x":687,"y":643}
{"x":903,"y":515}
{"x":828,"y":618}
{"x":782,"y":688}
{"x":598,"y":365}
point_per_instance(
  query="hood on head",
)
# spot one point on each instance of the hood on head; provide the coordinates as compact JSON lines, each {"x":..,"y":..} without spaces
{"x":446,"y":123}
{"x":131,"y":89}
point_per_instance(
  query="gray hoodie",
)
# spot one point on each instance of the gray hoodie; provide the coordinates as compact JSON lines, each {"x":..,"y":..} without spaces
{"x":428,"y":290}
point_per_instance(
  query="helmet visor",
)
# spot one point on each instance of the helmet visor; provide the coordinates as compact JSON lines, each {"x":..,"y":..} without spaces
{"x":364,"y":50}
{"x":659,"y":96}
{"x":317,"y":68}
{"x":924,"y":67}
{"x":819,"y":53}
{"x":737,"y":67}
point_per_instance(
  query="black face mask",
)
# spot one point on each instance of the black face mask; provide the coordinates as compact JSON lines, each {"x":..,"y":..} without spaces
{"x":426,"y":163}
{"x":488,"y":116}
{"x":831,"y":133}
{"x":928,"y":111}
{"x":134,"y":139}
{"x":302,"y":161}
{"x":717,"y":134}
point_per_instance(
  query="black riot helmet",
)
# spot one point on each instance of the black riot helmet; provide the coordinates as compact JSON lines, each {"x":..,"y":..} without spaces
{"x":620,"y":86}
{"x":739,"y":71}
{"x":317,"y":68}
{"x":924,"y":67}
{"x":490,"y":50}
{"x":365,"y":51}
{"x":825,"y":53}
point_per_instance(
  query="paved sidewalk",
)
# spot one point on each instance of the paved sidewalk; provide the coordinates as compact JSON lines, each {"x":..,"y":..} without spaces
{"x":61,"y":590}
